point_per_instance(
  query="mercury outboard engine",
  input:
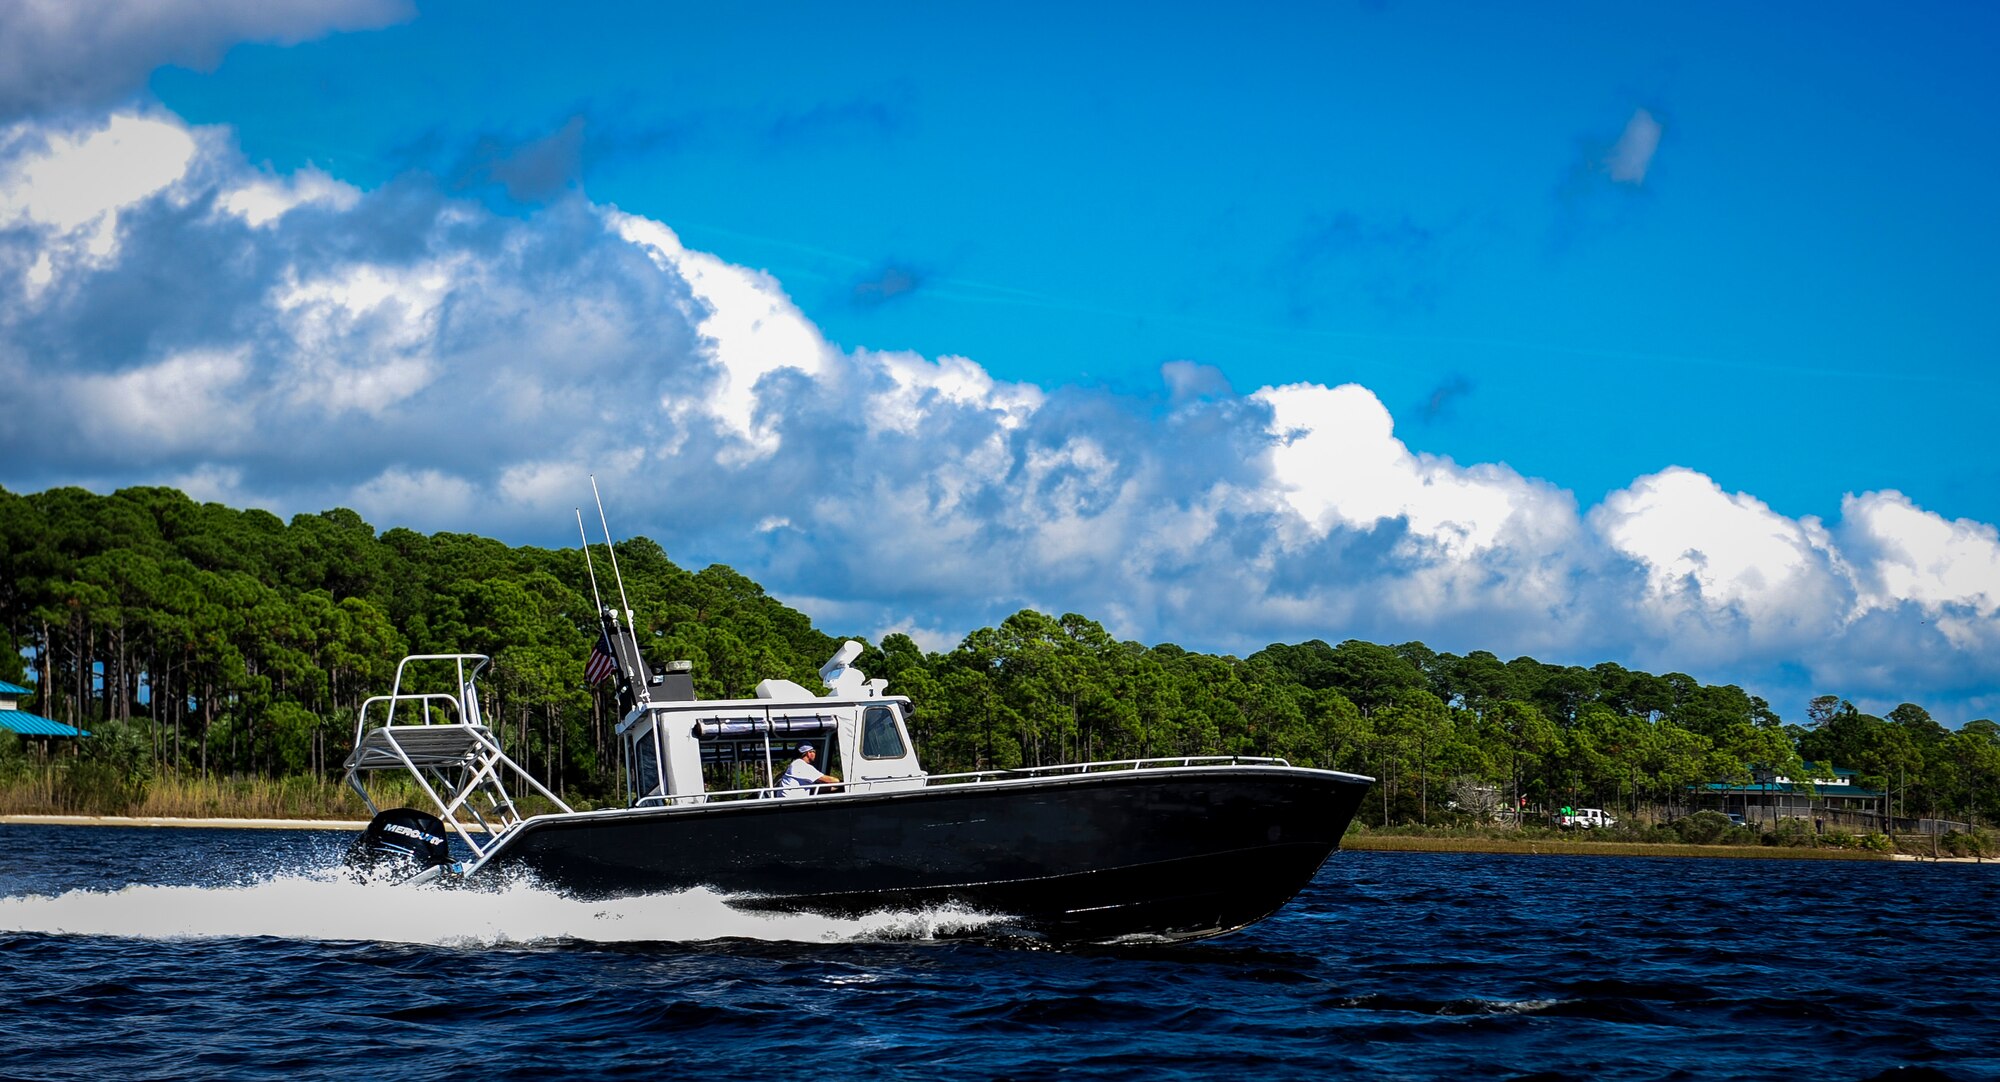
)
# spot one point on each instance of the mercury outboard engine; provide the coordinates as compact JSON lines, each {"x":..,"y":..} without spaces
{"x":399,"y":844}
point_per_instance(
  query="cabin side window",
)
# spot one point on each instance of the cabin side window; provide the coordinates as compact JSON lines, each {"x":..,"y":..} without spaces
{"x":742,"y":756}
{"x":647,"y":768}
{"x":733,"y":765}
{"x":881,"y":736}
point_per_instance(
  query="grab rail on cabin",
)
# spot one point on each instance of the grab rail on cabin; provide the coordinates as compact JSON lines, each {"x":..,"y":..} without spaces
{"x":1105,"y":766}
{"x":969,"y":777}
{"x":761,"y":792}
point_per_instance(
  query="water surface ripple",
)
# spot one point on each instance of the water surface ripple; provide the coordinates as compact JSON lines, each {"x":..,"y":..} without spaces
{"x":161,"y":953}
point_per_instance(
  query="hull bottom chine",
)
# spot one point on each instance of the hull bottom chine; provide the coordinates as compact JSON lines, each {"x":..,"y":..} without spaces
{"x":1186,"y":898}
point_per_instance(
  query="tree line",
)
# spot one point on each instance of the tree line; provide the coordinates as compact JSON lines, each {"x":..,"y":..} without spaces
{"x":194,"y":638}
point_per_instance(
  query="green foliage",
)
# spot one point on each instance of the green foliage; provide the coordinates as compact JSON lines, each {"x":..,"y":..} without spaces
{"x":238,"y":643}
{"x":200,"y":641}
{"x":14,"y":757}
{"x":109,"y":774}
{"x":1975,"y":843}
{"x":1790,"y":834}
{"x":1711,"y":828}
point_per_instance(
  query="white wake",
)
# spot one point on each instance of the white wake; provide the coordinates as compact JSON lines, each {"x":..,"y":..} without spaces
{"x":330,"y":906}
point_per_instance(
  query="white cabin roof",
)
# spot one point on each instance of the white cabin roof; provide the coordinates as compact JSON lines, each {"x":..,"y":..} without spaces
{"x":753,"y":706}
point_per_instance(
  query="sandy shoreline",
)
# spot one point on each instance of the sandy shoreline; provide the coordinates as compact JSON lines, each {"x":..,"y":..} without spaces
{"x":169,"y":821}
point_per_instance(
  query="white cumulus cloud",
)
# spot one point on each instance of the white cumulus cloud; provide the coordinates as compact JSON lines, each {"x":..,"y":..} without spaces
{"x":440,"y":367}
{"x":1720,"y":566}
{"x":189,"y":400}
{"x":69,"y":186}
{"x":749,"y":327}
{"x":84,"y":54}
{"x":1948,"y":572}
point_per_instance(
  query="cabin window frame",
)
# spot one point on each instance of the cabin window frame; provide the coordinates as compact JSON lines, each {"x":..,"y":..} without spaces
{"x":646,"y":763}
{"x":718,"y":753}
{"x":869,"y":728}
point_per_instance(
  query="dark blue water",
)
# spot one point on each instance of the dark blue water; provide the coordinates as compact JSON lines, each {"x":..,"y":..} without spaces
{"x":208,"y":953}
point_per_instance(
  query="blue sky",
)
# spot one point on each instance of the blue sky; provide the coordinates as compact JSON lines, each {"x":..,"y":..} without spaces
{"x":1586,"y":331}
{"x":1409,"y":196}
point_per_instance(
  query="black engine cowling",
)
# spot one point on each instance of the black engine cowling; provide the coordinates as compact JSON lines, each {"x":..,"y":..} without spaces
{"x":399,"y":843}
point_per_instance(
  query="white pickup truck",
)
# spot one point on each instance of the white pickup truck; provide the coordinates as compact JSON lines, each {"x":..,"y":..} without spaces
{"x":1586,"y":817}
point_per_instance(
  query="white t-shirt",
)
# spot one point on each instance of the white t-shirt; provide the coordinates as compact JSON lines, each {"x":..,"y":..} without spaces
{"x":797,"y":778}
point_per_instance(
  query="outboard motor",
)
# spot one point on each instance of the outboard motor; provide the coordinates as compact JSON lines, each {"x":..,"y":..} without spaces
{"x":398,"y":845}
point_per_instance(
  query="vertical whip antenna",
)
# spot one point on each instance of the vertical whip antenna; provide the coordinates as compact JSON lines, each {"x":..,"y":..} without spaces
{"x":587,"y":565}
{"x":627,"y":605}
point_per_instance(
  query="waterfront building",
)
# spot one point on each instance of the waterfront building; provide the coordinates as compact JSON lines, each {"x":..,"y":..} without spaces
{"x":13,"y":719}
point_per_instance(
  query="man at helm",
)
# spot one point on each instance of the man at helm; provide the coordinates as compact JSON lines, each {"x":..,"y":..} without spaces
{"x":799,"y":778}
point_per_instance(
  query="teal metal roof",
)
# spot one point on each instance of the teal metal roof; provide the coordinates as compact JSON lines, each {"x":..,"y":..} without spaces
{"x":14,"y":689}
{"x":20,"y":721}
{"x":1765,"y":788}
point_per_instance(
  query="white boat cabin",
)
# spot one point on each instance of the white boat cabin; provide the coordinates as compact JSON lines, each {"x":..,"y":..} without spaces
{"x":683,"y":750}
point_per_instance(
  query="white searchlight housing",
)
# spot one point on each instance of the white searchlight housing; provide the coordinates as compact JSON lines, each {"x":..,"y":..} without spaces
{"x":843,"y":681}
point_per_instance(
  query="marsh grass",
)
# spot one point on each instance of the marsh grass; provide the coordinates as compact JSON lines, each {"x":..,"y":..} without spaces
{"x":81,"y":788}
{"x":249,"y":798}
{"x":1549,"y":846}
{"x":109,"y":786}
{"x":78,"y":789}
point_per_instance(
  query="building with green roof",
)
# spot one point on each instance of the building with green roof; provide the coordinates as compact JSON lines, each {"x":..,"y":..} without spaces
{"x":1769,"y":796}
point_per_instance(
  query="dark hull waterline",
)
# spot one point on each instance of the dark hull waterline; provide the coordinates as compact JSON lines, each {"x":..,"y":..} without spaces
{"x":1177,"y":853}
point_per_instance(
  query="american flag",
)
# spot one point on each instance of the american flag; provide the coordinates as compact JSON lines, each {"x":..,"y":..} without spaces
{"x":601,"y":663}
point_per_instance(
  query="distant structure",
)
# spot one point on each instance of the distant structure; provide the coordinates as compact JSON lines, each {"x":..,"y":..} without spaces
{"x":1832,"y":797}
{"x":13,"y":719}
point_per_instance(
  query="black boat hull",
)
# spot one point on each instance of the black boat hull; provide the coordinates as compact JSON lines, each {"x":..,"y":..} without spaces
{"x":1178,"y":853}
